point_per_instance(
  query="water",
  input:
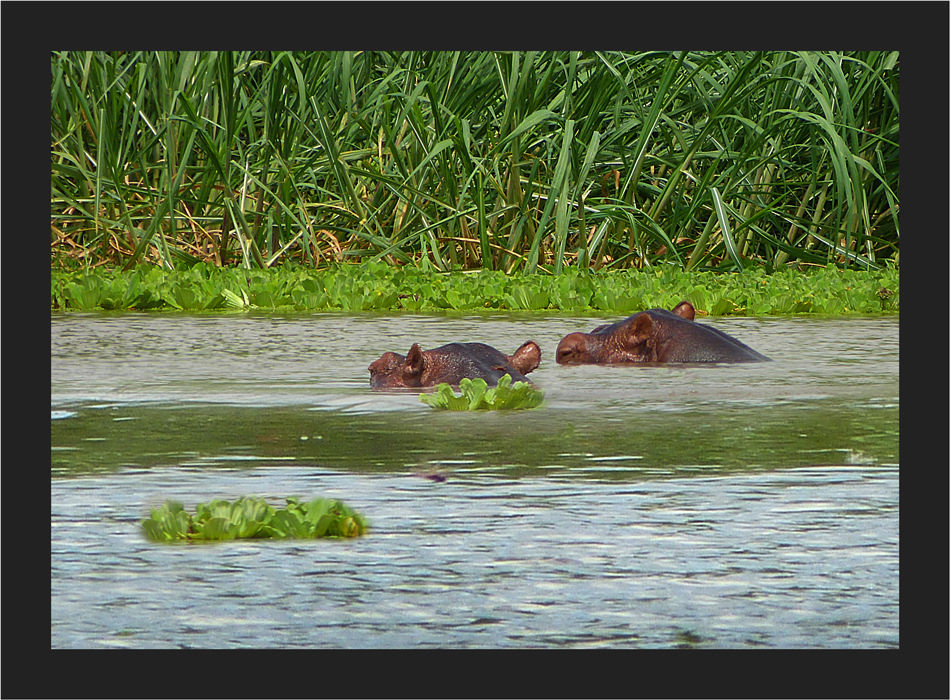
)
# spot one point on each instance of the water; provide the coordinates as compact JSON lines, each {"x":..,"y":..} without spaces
{"x":729,"y":506}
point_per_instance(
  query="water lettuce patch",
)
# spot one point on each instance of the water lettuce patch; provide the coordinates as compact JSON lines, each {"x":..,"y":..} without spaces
{"x":379,"y":287}
{"x":250,"y":517}
{"x":476,"y":396}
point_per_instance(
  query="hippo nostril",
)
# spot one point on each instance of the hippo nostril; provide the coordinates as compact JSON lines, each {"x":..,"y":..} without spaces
{"x":567,"y":357}
{"x":570,"y":350}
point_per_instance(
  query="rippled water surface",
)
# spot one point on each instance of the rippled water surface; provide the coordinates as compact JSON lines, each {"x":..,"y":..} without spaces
{"x":710,"y":506}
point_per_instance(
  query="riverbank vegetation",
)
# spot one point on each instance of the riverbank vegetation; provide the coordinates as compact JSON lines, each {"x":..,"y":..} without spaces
{"x":382,"y":287}
{"x":512,"y":163}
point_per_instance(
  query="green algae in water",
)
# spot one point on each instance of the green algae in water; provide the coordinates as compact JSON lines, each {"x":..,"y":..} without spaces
{"x":476,"y":396}
{"x":250,"y":518}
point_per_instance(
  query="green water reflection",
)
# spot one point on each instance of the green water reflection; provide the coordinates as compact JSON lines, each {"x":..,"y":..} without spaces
{"x":601,"y":444}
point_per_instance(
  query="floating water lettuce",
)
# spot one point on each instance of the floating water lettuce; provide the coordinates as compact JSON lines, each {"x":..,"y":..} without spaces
{"x":476,"y":396}
{"x":250,"y":517}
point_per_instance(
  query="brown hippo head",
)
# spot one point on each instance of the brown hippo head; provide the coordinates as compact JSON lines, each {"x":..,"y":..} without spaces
{"x":655,"y":335}
{"x":451,"y":363}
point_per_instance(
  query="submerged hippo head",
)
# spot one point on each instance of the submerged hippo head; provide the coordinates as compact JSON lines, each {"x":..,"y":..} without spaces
{"x":656,"y":335}
{"x":451,"y":363}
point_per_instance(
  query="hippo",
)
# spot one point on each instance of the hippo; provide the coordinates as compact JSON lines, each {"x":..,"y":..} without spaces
{"x":657,"y":336}
{"x":451,"y":363}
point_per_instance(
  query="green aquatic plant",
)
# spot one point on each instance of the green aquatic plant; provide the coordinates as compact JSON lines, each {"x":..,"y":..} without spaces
{"x":250,"y":517}
{"x":378,"y":287}
{"x":476,"y":396}
{"x":494,"y":160}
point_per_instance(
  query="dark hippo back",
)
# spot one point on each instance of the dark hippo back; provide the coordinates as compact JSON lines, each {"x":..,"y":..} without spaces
{"x":452,"y":363}
{"x":456,"y":361}
{"x":697,"y":342}
{"x":655,"y":335}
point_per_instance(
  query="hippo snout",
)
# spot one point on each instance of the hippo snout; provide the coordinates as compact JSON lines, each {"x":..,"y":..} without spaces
{"x":572,"y":349}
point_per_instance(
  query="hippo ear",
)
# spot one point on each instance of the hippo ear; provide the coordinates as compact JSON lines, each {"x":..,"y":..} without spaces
{"x":415,"y":363}
{"x":685,"y":310}
{"x":639,"y":333}
{"x":527,"y":357}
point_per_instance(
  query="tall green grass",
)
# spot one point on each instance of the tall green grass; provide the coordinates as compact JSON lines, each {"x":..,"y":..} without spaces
{"x":516,"y":161}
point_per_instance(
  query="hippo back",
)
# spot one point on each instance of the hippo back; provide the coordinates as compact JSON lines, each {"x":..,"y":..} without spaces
{"x":697,"y":342}
{"x":654,"y":336}
{"x":452,"y":363}
{"x":455,"y":361}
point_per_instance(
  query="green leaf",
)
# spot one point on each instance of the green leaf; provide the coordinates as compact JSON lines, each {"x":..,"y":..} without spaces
{"x":476,"y":396}
{"x":232,"y":300}
{"x":154,"y":530}
{"x":474,"y":391}
{"x":445,"y":398}
{"x":724,"y":226}
{"x":217,"y":529}
{"x":249,"y":517}
{"x":169,"y":522}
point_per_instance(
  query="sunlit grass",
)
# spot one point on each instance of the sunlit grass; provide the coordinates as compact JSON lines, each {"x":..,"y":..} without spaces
{"x":509,"y":161}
